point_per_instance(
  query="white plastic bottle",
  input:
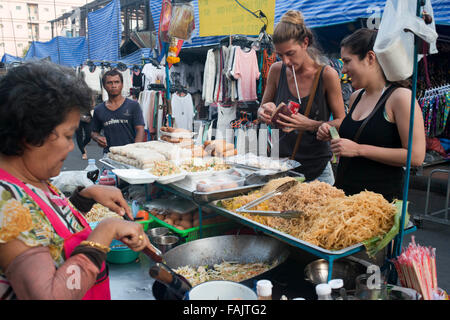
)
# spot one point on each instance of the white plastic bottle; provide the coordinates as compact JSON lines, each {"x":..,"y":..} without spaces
{"x":264,"y":289}
{"x":91,"y":165}
{"x":336,"y":285}
{"x":323,"y":291}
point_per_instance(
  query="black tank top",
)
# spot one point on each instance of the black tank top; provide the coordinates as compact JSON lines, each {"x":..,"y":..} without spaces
{"x":356,"y":174}
{"x":312,"y":153}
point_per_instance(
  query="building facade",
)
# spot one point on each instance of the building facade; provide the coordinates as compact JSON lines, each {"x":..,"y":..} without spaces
{"x":24,"y":21}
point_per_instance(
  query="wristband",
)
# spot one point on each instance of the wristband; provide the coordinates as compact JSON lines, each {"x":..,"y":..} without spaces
{"x":81,"y":203}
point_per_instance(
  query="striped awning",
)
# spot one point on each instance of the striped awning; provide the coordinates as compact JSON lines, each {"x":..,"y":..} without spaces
{"x":61,"y":50}
{"x":105,"y":32}
{"x":317,"y":13}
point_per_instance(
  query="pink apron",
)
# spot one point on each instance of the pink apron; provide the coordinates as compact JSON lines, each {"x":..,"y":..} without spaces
{"x":100,"y":290}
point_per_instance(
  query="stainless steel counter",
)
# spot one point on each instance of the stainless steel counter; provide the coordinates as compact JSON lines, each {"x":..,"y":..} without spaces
{"x":131,"y":281}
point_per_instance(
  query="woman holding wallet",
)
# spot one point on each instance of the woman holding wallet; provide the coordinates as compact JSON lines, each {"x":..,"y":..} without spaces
{"x":317,"y":84}
{"x":373,"y":139}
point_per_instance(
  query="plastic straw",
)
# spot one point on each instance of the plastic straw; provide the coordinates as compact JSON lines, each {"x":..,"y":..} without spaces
{"x":416,"y":268}
{"x":296,"y":86}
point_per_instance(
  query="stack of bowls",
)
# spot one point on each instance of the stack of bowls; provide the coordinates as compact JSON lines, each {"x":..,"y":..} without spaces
{"x":161,"y":239}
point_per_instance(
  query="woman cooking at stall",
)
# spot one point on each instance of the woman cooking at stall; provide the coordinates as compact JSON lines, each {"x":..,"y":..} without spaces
{"x":300,"y":67}
{"x":47,"y":250}
{"x":373,"y":139}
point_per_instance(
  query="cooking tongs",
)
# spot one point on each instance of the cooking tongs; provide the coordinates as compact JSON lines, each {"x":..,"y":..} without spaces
{"x":278,"y":191}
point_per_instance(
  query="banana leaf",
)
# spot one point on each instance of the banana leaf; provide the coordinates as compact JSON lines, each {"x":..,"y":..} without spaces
{"x":375,"y":244}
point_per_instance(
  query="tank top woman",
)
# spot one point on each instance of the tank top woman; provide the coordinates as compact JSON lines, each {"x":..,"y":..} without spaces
{"x":356,"y":174}
{"x":313,"y":154}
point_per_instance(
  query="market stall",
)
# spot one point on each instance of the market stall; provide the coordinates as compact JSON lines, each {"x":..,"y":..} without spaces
{"x":217,"y":191}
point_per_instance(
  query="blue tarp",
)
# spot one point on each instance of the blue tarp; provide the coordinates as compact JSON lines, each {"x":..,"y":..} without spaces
{"x":105,"y":32}
{"x":7,"y":58}
{"x":317,"y":13}
{"x":65,"y":51}
{"x":136,"y":57}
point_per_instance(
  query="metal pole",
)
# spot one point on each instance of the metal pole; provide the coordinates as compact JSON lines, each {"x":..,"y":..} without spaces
{"x":399,"y":238}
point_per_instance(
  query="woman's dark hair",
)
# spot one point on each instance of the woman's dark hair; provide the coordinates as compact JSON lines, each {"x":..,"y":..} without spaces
{"x":361,"y":42}
{"x":36,"y":97}
{"x":111,"y":73}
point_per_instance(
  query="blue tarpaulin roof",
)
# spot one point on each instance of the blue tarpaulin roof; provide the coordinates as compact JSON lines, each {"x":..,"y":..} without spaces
{"x":65,"y":51}
{"x":317,"y":13}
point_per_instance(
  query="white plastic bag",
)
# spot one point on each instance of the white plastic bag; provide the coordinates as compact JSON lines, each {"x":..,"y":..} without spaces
{"x":68,"y":181}
{"x":394,"y":47}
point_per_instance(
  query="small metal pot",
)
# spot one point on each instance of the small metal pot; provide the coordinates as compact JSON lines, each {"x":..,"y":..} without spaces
{"x":156,"y":232}
{"x":165,"y":243}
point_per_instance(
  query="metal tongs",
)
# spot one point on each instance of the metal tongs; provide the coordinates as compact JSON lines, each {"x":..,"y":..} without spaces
{"x":278,"y":191}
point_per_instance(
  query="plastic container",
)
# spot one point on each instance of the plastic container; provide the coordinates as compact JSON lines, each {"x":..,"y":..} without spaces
{"x":121,"y":255}
{"x":219,"y":182}
{"x":191,"y":234}
{"x":264,"y":289}
{"x":221,"y":290}
{"x":323,"y":291}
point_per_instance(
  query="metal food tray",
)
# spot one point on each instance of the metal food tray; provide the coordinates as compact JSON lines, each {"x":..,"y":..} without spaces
{"x":291,"y":239}
{"x":206,"y":197}
{"x":173,"y":204}
{"x":112,"y":164}
{"x":160,"y":179}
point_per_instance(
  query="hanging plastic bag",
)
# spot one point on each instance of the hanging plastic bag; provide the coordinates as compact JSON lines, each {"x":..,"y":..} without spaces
{"x":394,"y":47}
{"x":164,"y":21}
{"x":182,"y":23}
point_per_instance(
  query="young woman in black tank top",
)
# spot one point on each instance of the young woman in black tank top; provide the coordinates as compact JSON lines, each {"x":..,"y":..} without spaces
{"x":374,"y":162}
{"x":293,"y":40}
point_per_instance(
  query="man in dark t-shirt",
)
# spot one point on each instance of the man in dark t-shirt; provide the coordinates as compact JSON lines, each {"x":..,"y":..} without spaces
{"x":120,"y":118}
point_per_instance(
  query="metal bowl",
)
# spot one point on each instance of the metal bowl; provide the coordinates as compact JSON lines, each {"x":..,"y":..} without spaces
{"x":165,"y":243}
{"x":317,"y":272}
{"x":155,"y":232}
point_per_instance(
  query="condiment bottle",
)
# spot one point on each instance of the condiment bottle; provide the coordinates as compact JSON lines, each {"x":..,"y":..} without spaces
{"x":336,"y":285}
{"x":264,"y":289}
{"x":323,"y":291}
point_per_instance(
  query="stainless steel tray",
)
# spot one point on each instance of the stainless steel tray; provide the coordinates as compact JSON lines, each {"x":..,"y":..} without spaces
{"x":112,"y":164}
{"x":173,"y":204}
{"x":290,"y":239}
{"x":207,"y":197}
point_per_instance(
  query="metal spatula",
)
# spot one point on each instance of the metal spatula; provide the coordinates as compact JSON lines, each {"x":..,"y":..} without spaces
{"x":278,"y":191}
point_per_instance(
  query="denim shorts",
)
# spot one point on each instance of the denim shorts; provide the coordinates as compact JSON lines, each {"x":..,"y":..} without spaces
{"x":327,"y":175}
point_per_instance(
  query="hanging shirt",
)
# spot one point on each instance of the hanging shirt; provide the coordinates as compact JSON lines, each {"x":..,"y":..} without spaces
{"x":93,"y":79}
{"x":183,"y":111}
{"x":209,"y":77}
{"x":127,"y":82}
{"x":153,"y":75}
{"x":247,"y":71}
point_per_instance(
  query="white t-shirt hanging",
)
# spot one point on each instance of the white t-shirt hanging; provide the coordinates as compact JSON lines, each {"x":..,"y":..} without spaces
{"x":182,"y":111}
{"x":93,"y":79}
{"x":153,"y":75}
{"x":127,"y":82}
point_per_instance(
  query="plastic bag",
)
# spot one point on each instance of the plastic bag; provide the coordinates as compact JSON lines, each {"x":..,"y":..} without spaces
{"x":394,"y":47}
{"x":164,"y":21}
{"x":182,"y":23}
{"x":68,"y":181}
